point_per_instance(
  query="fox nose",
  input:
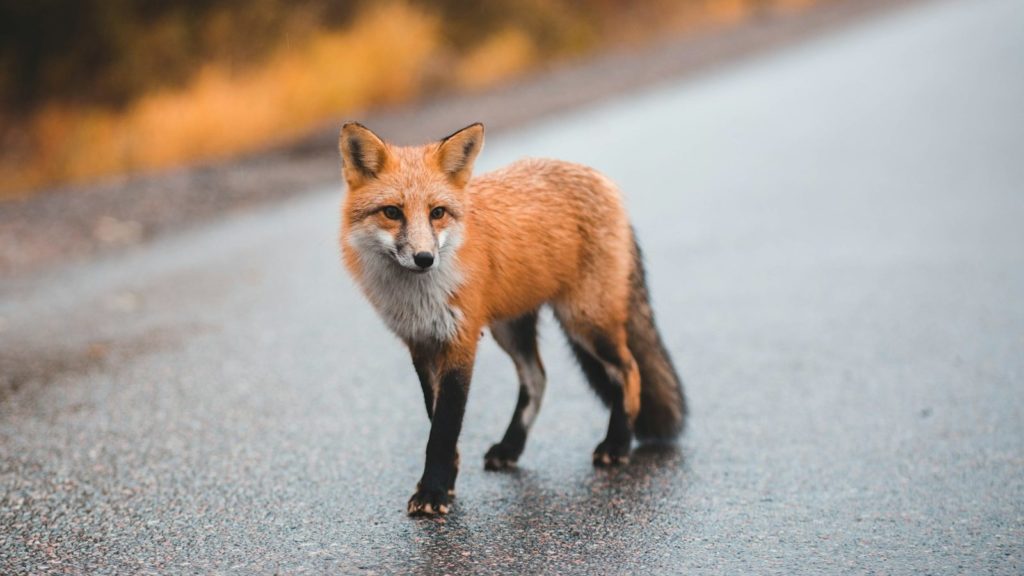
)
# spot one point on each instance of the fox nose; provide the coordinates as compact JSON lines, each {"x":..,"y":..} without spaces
{"x":423,"y":259}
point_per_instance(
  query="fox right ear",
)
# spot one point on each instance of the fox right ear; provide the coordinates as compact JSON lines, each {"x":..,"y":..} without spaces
{"x":456,"y":153}
{"x":363,"y":154}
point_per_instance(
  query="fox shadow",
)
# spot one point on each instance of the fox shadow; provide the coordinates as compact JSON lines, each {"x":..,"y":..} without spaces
{"x":599,"y":519}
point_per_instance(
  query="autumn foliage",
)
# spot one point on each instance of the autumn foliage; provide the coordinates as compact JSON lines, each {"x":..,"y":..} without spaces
{"x":102,"y":87}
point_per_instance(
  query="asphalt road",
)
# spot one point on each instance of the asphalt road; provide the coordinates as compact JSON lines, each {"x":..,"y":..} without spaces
{"x":835,"y":238}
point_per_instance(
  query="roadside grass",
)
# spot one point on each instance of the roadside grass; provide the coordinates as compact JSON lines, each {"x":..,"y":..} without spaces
{"x":380,"y":59}
{"x":391,"y":52}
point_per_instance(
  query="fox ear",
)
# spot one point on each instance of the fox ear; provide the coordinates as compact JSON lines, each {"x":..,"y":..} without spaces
{"x":456,"y":153}
{"x":363,"y":153}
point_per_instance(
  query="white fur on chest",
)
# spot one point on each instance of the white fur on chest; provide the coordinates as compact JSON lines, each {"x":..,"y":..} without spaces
{"x":414,"y":306}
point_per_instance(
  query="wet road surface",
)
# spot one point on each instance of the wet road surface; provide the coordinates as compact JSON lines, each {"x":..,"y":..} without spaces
{"x":836,"y":253}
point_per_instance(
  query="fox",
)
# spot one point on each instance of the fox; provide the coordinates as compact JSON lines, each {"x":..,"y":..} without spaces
{"x":442,"y":254}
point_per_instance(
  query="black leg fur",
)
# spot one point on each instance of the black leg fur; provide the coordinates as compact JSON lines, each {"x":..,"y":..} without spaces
{"x":432,"y":493}
{"x":519,"y":339}
{"x":424,"y":371}
{"x":505,"y":454}
{"x":614,"y":449}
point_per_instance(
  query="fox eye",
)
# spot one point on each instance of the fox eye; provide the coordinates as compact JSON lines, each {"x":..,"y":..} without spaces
{"x":437,"y":213}
{"x":392,"y":213}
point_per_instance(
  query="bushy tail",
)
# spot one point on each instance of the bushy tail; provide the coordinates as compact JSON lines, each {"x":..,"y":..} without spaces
{"x":662,"y":402}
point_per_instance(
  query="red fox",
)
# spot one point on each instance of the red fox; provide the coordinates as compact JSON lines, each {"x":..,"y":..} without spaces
{"x":441,"y":255}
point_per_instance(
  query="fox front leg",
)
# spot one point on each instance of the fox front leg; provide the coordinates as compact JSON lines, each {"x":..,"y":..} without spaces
{"x":442,"y":464}
{"x":423,"y":360}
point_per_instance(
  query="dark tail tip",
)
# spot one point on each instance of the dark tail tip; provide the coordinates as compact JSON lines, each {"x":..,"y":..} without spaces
{"x":663,"y":408}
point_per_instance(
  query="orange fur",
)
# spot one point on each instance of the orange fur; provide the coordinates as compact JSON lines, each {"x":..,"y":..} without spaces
{"x":537,"y":231}
{"x":441,"y":255}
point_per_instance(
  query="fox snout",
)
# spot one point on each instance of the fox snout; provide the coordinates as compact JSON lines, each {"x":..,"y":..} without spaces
{"x":419,"y":251}
{"x":416,"y":260}
{"x":423,"y":259}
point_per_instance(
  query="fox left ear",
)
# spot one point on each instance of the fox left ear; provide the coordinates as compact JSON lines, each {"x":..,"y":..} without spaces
{"x":363,"y":154}
{"x":456,"y":153}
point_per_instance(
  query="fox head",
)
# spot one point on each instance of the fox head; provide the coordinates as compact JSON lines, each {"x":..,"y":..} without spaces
{"x":406,"y":203}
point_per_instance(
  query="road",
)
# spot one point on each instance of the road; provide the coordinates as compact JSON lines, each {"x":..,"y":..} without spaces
{"x":835,"y":243}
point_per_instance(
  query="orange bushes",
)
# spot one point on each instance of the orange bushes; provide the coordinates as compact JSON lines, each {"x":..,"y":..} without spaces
{"x":379,"y":59}
{"x":388,"y":53}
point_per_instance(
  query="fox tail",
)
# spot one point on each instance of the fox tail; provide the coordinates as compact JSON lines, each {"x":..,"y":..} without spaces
{"x":662,"y":401}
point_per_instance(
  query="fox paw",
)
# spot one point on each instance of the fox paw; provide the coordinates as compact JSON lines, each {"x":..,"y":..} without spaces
{"x":501,"y":457}
{"x":429,"y":502}
{"x":608,"y":454}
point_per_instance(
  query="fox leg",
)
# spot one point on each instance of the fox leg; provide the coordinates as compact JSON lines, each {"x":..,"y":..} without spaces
{"x":518,"y":337}
{"x":423,"y":360}
{"x":426,"y":370}
{"x":613,"y":374}
{"x":455,"y":369}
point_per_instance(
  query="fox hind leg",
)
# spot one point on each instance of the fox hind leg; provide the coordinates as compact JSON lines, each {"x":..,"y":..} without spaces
{"x":518,"y":338}
{"x":613,"y":374}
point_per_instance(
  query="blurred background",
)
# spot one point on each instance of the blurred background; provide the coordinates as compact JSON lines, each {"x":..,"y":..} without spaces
{"x":93,"y":88}
{"x":828,"y":196}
